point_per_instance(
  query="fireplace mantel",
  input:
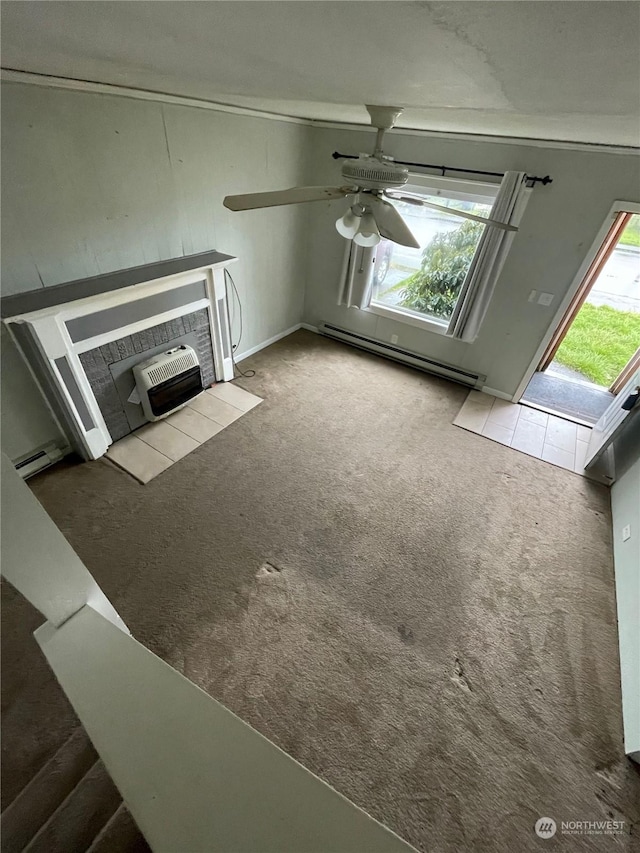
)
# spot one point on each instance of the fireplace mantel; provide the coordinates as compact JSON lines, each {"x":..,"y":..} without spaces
{"x":57,"y":328}
{"x":72,"y":291}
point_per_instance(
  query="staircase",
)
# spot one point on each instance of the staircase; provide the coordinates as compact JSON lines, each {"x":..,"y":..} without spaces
{"x":70,"y":806}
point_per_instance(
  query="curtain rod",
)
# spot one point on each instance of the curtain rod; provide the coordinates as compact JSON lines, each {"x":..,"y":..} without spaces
{"x":531,"y":180}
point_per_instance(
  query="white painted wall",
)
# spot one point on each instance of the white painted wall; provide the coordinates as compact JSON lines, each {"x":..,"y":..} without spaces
{"x":558,"y":227}
{"x":27,"y":423}
{"x":625,"y":510}
{"x":93,"y":183}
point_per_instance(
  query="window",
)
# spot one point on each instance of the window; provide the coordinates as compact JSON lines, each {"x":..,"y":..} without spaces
{"x":423,"y":284}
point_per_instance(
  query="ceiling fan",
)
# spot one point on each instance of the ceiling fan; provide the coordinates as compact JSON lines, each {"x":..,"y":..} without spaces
{"x":372,"y":179}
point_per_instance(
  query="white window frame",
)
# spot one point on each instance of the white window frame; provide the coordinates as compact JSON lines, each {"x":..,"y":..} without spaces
{"x":450,"y":188}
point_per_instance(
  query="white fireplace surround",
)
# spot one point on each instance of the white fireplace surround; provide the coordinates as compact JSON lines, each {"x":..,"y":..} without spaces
{"x":59,"y":353}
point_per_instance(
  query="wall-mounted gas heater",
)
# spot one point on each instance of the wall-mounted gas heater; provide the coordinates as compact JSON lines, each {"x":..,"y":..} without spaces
{"x":168,"y":381}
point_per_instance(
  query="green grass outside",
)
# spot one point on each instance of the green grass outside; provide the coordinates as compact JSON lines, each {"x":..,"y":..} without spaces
{"x":630,"y":239}
{"x":600,"y":342}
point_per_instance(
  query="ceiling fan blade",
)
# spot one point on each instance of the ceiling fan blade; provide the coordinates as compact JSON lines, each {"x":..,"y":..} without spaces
{"x":414,"y":199}
{"x":390,"y":223}
{"x":295,"y":195}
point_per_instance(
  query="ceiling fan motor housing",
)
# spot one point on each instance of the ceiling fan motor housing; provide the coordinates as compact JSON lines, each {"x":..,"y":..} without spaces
{"x":374,"y":174}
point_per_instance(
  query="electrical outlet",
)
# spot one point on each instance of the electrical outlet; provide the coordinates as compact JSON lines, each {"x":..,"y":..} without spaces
{"x":545,"y":299}
{"x":626,"y":532}
{"x":394,"y":339}
{"x":533,"y":296}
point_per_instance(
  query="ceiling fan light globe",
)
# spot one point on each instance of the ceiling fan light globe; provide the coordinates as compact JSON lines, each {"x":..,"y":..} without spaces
{"x":347,"y":226}
{"x":368,"y":234}
{"x":367,"y":240}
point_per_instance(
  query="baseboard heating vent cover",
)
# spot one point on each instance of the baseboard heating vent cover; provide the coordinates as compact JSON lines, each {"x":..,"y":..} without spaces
{"x":41,"y":459}
{"x":421,"y":362}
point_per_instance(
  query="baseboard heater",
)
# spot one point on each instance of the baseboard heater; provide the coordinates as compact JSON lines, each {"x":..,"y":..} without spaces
{"x":41,"y":459}
{"x":420,"y":362}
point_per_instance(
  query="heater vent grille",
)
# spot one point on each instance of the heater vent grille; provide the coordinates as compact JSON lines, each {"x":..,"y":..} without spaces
{"x":172,"y":368}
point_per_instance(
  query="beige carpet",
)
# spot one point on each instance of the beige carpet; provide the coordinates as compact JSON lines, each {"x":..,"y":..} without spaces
{"x":423,"y":617}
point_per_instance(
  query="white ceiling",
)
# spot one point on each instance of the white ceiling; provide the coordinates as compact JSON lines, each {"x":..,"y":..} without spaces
{"x":549,"y":70}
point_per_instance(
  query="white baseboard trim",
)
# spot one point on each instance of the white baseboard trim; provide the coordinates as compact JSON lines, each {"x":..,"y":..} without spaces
{"x":309,"y":327}
{"x":267,"y":343}
{"x":495,"y":393}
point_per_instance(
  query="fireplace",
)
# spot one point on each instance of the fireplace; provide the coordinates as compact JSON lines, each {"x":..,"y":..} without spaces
{"x":86,"y":344}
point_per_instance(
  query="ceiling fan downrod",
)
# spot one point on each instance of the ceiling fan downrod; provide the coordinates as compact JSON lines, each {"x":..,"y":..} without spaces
{"x":382,"y":118}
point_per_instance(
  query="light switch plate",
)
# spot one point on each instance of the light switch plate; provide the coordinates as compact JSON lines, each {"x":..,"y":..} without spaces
{"x":545,"y":299}
{"x":626,"y":532}
{"x":533,"y":296}
{"x":394,"y":339}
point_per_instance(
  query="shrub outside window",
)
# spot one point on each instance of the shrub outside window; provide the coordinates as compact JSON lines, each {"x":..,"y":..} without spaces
{"x":426,"y":282}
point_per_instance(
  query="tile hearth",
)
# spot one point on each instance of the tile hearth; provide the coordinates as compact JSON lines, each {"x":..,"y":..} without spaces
{"x":530,"y":431}
{"x":153,"y":448}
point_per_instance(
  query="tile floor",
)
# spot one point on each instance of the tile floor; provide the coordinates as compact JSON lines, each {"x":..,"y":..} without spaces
{"x":527,"y":430}
{"x":153,"y":448}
